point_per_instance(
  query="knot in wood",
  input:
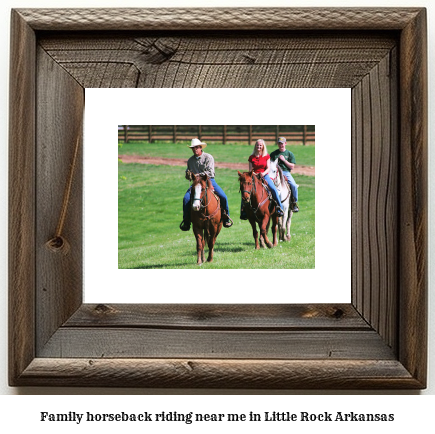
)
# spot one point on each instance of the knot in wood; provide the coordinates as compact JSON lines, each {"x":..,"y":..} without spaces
{"x":58,"y":244}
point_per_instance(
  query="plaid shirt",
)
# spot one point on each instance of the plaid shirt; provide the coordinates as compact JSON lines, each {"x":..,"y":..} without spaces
{"x":203,"y":165}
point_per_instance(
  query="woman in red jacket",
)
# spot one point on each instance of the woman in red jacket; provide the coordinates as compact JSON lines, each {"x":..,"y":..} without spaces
{"x":259,"y":162}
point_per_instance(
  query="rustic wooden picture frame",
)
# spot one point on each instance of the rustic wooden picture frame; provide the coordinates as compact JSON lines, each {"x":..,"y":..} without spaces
{"x":377,"y":341}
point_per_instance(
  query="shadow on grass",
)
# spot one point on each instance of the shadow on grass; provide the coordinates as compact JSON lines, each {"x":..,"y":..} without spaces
{"x":230,"y":247}
{"x":148,"y":267}
{"x":223,"y":249}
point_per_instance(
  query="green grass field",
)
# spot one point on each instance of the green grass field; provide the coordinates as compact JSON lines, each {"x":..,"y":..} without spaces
{"x":230,"y":153}
{"x":150,"y":211}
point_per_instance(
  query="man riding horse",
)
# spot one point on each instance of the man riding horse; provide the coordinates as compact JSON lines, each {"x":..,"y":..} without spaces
{"x":287,"y":161}
{"x":202,"y":163}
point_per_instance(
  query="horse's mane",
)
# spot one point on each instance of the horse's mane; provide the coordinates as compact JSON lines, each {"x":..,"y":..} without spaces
{"x":281,"y":176}
{"x":199,"y":179}
{"x":210,"y":185}
{"x":245,"y":174}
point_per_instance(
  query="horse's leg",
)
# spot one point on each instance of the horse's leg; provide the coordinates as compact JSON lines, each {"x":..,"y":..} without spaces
{"x":275,"y":229}
{"x":281,"y":224}
{"x":254,"y":233}
{"x":211,"y":241}
{"x":204,"y":242}
{"x":209,"y":237}
{"x":289,"y":222}
{"x":262,"y":242}
{"x":264,"y":226}
{"x":215,"y":227}
{"x":199,"y":245}
{"x":282,"y":221}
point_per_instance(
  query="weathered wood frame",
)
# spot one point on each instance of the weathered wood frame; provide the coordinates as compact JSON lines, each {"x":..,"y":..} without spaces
{"x":377,"y":341}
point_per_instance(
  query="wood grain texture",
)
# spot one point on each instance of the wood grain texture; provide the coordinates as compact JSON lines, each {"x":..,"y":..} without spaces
{"x":220,"y":317}
{"x":378,"y":342}
{"x":21,"y":197}
{"x":95,"y":342}
{"x":414,"y":189}
{"x":220,"y":18}
{"x":59,"y":280}
{"x":375,"y":198}
{"x":228,"y":374}
{"x":235,"y":60}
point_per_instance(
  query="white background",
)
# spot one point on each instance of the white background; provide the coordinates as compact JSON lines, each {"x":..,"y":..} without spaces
{"x":108,"y":108}
{"x":22,"y":411}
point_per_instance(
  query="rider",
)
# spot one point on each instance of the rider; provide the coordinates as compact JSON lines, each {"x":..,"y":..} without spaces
{"x":287,"y":163}
{"x":201,"y":163}
{"x":259,"y":162}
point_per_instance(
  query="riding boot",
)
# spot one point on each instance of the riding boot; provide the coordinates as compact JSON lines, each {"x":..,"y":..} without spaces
{"x":243,"y":215}
{"x":185,"y":225}
{"x":294,"y":206}
{"x":227,"y":222}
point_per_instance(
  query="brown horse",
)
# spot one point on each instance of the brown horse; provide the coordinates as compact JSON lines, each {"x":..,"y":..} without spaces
{"x":206,"y":216}
{"x":259,"y":208}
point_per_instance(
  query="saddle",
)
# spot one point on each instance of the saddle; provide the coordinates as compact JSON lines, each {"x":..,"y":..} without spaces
{"x":272,"y":201}
{"x":264,"y":184}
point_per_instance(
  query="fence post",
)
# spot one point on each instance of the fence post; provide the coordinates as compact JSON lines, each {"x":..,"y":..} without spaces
{"x":150,"y":135}
{"x":250,"y":135}
{"x":125,"y":133}
{"x":304,"y":139}
{"x":225,"y":135}
{"x":200,"y":132}
{"x":277,"y":133}
{"x":175,"y":133}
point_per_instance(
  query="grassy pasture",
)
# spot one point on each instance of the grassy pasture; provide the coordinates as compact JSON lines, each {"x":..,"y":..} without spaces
{"x":150,"y":211}
{"x":230,"y":153}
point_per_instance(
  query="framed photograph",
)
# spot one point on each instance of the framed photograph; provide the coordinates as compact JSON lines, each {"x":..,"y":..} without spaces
{"x":139,"y":238}
{"x":375,"y":341}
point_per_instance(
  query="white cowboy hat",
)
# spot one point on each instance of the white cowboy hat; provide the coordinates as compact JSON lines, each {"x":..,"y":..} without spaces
{"x":197,"y":142}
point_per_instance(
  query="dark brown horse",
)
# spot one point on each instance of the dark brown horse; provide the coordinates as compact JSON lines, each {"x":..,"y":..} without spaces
{"x":259,"y":208}
{"x":206,"y":216}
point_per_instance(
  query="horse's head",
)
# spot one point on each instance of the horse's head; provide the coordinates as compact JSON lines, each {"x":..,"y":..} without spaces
{"x":199,"y":186}
{"x":275,"y":172}
{"x":246,"y":180}
{"x":273,"y":168}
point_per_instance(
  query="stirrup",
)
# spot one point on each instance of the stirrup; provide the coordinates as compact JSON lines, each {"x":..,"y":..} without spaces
{"x":228,"y":222}
{"x":184,"y":226}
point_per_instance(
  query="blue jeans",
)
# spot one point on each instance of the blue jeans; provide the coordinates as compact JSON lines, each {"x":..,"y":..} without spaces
{"x":218,"y":191}
{"x":273,"y":190}
{"x":293,"y":185}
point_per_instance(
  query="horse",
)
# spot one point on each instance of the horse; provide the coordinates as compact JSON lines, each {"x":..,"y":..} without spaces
{"x":259,"y":208}
{"x":281,"y":184}
{"x":205,"y":215}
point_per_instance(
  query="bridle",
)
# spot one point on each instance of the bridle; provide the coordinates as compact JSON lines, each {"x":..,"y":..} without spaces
{"x":277,"y":182}
{"x":201,"y":199}
{"x":253,"y":190}
{"x":205,"y":201}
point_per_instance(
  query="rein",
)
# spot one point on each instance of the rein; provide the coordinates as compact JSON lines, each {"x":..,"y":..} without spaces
{"x":204,"y":207}
{"x":254,"y":190}
{"x":278,"y":176}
